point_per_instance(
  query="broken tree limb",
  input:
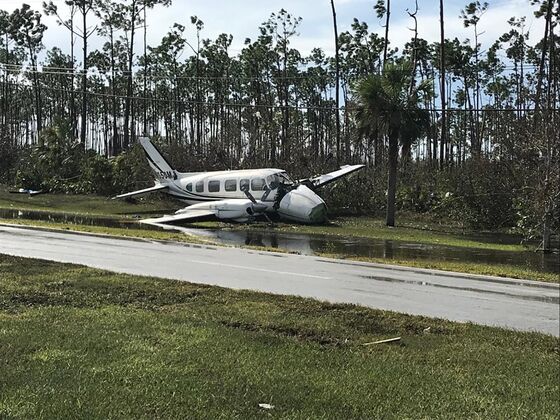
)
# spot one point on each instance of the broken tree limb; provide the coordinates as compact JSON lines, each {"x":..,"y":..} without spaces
{"x":388,"y":340}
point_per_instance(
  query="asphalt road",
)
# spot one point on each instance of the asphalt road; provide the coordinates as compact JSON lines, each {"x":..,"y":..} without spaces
{"x":516,"y":304}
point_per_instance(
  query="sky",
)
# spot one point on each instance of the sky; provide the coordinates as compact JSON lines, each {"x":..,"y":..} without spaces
{"x":242,"y":18}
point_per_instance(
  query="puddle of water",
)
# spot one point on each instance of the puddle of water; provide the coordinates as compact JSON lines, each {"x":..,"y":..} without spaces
{"x":318,"y":244}
{"x":547,"y":299}
{"x":378,"y":248}
{"x":77,"y":219}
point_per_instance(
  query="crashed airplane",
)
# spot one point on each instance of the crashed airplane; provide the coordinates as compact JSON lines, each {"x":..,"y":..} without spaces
{"x":238,"y":195}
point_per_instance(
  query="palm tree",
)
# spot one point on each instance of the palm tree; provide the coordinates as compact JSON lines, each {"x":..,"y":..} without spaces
{"x":387,"y":105}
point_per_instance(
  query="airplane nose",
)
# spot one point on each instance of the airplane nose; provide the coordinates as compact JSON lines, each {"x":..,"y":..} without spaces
{"x":318,"y":214}
{"x":303,"y":205}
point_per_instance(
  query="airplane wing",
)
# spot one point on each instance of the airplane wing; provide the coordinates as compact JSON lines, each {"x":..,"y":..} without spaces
{"x":321,"y":180}
{"x":158,"y":187}
{"x":236,"y":209}
{"x":184,"y":215}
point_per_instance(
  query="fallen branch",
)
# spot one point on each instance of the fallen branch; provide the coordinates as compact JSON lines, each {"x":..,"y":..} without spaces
{"x":388,"y":340}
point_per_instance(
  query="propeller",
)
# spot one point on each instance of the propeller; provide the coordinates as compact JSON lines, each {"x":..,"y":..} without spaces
{"x":257,"y":208}
{"x":245,"y":189}
{"x":266,"y":192}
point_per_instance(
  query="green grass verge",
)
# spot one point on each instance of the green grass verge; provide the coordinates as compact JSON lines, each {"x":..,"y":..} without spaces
{"x":80,"y":342}
{"x":129,"y":233}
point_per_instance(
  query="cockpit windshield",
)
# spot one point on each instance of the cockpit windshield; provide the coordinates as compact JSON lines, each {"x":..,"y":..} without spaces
{"x":285,"y":178}
{"x":273,"y":181}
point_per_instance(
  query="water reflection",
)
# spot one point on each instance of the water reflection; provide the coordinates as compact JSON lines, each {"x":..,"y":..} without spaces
{"x":378,"y":248}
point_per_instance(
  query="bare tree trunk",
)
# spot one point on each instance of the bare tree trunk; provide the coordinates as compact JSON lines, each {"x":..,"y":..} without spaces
{"x":145,"y":93}
{"x":72,"y":93}
{"x":392,"y":176}
{"x":414,"y":47}
{"x":543,"y":56}
{"x":37,"y":90}
{"x":6,"y":90}
{"x":337,"y":70}
{"x":386,"y":31}
{"x":115,"y":146}
{"x":442,"y":88}
{"x":84,"y":83}
{"x":128,"y":121}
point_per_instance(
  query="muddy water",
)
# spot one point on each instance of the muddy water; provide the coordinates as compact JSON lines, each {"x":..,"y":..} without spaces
{"x":317,"y":244}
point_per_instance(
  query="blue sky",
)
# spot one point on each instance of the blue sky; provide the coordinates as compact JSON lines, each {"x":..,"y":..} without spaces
{"x":241,"y":18}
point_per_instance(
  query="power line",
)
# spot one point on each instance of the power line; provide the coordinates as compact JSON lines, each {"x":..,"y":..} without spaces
{"x":270,"y":106}
{"x":186,"y":102}
{"x":61,"y":71}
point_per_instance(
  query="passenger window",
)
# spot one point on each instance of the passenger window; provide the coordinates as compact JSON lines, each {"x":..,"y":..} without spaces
{"x":244,"y":184}
{"x":257,"y":184}
{"x":189,"y":187}
{"x":200,"y":186}
{"x":231,"y":185}
{"x":213,"y":186}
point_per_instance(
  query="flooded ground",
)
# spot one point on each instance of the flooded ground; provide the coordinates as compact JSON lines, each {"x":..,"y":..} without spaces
{"x":378,"y":248}
{"x":319,"y":244}
{"x":308,"y":244}
{"x":78,"y":219}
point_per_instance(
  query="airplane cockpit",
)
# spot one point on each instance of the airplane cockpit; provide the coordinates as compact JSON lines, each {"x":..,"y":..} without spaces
{"x":280,"y":178}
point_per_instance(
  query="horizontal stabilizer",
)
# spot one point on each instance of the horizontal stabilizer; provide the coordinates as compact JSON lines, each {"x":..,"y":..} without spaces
{"x":183,"y":216}
{"x":158,"y":187}
{"x":321,"y":180}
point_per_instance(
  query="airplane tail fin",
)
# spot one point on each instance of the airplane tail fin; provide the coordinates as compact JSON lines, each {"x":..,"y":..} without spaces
{"x":158,"y":163}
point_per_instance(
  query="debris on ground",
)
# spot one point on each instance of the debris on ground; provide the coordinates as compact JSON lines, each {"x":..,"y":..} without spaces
{"x":388,"y":340}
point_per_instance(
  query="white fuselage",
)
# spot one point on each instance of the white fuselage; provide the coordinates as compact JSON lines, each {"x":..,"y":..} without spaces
{"x":194,"y":188}
{"x":201,"y":190}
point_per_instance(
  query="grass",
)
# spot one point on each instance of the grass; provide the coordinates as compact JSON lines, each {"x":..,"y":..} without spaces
{"x":86,"y":204}
{"x":136,"y":232}
{"x":80,"y":342}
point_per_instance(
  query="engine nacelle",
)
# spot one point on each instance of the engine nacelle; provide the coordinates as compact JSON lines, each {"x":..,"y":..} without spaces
{"x":303,"y":205}
{"x":237,"y":210}
{"x":232,"y":209}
